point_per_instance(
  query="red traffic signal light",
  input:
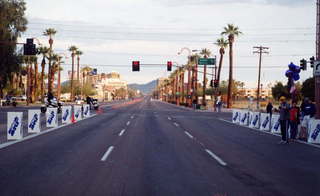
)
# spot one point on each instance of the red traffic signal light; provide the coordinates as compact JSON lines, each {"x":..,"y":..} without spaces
{"x":135,"y":65}
{"x":169,"y":66}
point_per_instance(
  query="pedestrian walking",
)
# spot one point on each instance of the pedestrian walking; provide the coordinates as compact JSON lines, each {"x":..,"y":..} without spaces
{"x":269,"y":109}
{"x":294,"y":120}
{"x":284,"y":119}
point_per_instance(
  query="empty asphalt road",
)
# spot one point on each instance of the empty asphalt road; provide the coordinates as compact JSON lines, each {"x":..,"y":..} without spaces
{"x":151,"y":148}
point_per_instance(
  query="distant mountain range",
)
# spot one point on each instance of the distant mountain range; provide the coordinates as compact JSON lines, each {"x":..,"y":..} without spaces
{"x":144,"y":88}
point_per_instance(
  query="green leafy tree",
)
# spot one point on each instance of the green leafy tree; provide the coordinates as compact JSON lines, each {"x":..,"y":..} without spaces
{"x":12,"y":24}
{"x":308,"y":88}
{"x":279,"y":90}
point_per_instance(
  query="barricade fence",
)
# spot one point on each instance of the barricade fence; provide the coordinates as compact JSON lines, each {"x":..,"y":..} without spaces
{"x":271,"y":123}
{"x":18,"y":126}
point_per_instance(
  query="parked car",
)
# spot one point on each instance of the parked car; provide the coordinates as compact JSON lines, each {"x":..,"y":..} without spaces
{"x":21,"y":98}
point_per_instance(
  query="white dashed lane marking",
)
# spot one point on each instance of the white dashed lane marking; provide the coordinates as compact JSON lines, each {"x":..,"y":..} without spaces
{"x":122,"y":132}
{"x":218,"y":159}
{"x":105,"y":156}
{"x":188,"y":134}
{"x":128,"y":123}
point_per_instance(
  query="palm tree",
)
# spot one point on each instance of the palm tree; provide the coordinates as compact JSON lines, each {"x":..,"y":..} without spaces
{"x":50,"y":32}
{"x":33,"y":77}
{"x":231,"y":31}
{"x":194,"y":81}
{"x":222,"y":44}
{"x":73,"y":50}
{"x":44,"y":51}
{"x":59,"y":69}
{"x":78,"y":53}
{"x":206,"y":53}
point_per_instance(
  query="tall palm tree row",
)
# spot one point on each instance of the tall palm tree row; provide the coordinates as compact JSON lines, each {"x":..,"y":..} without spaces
{"x":50,"y":32}
{"x":222,"y":44}
{"x":73,"y":49}
{"x":232,"y":32}
{"x":78,"y":53}
{"x":206,"y":53}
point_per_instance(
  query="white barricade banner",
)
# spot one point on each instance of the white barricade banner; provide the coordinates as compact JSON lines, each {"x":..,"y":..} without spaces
{"x":66,"y":114}
{"x":14,"y":131}
{"x":314,"y":131}
{"x":34,"y":121}
{"x":275,"y":124}
{"x":250,"y":118}
{"x":77,"y":112}
{"x":244,"y":117}
{"x":235,"y":116}
{"x":51,"y":117}
{"x":265,"y":122}
{"x":255,"y":122}
{"x":86,"y":110}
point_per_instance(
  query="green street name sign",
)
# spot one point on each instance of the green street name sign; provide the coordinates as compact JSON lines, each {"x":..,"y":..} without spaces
{"x":208,"y":61}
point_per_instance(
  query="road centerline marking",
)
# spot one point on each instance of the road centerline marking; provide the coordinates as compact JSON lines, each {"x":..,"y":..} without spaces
{"x":128,"y":123}
{"x":105,"y":156}
{"x":122,"y":132}
{"x":176,"y":124}
{"x":188,"y":134}
{"x":169,"y":118}
{"x":218,"y":159}
{"x":132,"y":117}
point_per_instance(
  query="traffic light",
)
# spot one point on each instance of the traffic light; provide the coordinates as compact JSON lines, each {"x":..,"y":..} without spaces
{"x":216,"y":83}
{"x":29,"y":48}
{"x":169,"y":66}
{"x":303,"y":64}
{"x":135,"y":65}
{"x":312,"y":59}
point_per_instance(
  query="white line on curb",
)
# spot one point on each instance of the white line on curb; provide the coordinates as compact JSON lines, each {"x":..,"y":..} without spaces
{"x":128,"y":123}
{"x":176,"y":124}
{"x":220,"y":161}
{"x":105,"y":156}
{"x":169,"y":118}
{"x":122,"y":132}
{"x":188,"y":134}
{"x":38,"y":134}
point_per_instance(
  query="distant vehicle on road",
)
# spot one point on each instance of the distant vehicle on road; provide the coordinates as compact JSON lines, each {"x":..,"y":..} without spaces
{"x":53,"y":103}
{"x":21,"y":98}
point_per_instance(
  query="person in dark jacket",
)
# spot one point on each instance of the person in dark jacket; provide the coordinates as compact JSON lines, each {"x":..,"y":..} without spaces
{"x":308,"y":108}
{"x":284,"y":119}
{"x":269,"y":111}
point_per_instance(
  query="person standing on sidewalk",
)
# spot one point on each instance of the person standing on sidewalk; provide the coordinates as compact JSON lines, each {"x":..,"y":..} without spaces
{"x":284,"y":119}
{"x":294,"y":120}
{"x":269,"y":111}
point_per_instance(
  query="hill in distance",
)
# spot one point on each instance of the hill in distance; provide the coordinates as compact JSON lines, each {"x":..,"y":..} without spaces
{"x":144,"y":88}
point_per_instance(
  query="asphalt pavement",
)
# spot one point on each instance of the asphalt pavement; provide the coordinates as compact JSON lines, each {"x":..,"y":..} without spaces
{"x":150,"y":148}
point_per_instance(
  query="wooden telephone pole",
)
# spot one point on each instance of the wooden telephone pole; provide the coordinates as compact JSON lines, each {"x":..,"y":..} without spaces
{"x":260,"y":50}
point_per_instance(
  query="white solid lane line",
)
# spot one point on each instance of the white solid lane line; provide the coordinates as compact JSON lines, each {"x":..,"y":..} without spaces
{"x":169,"y":118}
{"x":128,"y":123}
{"x":122,"y":132}
{"x":220,"y":161}
{"x":176,"y":124}
{"x":188,"y":134}
{"x":105,"y":156}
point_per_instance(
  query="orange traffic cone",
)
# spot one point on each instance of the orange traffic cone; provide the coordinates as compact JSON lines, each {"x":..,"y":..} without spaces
{"x":72,"y":118}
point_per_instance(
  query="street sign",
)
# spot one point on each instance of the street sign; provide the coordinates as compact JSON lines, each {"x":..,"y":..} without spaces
{"x":316,"y":68}
{"x":208,"y":61}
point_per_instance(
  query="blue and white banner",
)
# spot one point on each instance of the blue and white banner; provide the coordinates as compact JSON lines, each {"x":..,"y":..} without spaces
{"x":314,"y":131}
{"x":86,"y":110}
{"x":255,"y":121}
{"x":51,"y":117}
{"x":244,"y":118}
{"x":14,"y":131}
{"x":265,"y":122}
{"x":77,"y":112}
{"x":34,"y":121}
{"x":275,"y":124}
{"x":66,"y":114}
{"x":236,"y":116}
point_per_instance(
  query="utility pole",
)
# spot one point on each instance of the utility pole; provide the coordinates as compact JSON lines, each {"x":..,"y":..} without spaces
{"x":317,"y":78}
{"x":259,"y":50}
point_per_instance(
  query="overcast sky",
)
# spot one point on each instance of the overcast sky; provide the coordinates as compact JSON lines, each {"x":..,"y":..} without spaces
{"x":112,"y":33}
